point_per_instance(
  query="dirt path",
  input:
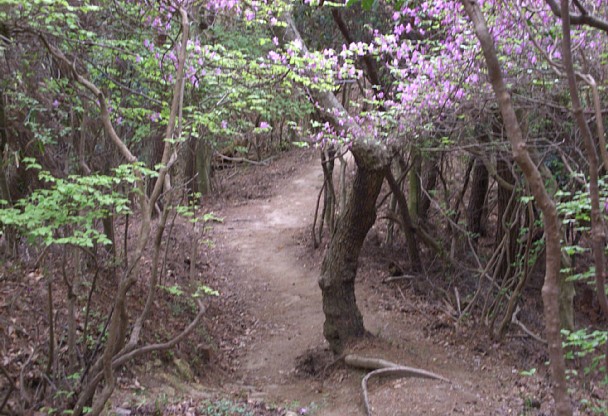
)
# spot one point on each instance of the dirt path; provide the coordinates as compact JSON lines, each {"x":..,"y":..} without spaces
{"x":284,"y":297}
{"x":261,"y":241}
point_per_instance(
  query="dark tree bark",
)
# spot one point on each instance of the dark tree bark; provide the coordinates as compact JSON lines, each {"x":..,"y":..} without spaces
{"x":199,"y":157}
{"x":190,"y":166}
{"x":479,"y":190}
{"x":329,"y":194}
{"x":414,"y":188}
{"x":203,"y":159}
{"x":343,"y":321}
{"x":504,"y":209}
{"x":4,"y":188}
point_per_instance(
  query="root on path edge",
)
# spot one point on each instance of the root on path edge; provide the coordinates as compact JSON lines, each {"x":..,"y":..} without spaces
{"x":385,"y":368}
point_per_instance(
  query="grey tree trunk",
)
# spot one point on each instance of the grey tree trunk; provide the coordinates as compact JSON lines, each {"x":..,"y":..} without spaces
{"x":432,"y":168}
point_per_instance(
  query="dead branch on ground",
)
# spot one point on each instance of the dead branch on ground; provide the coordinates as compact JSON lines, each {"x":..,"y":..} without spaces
{"x":385,"y":368}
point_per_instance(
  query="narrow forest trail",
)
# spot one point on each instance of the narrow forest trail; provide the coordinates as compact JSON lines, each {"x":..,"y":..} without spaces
{"x":261,"y":242}
{"x":281,"y":293}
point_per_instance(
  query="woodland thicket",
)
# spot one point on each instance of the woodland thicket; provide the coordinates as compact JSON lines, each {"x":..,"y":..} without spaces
{"x":481,"y":120}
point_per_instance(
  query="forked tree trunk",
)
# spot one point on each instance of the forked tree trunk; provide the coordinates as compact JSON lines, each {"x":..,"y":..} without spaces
{"x":343,"y":321}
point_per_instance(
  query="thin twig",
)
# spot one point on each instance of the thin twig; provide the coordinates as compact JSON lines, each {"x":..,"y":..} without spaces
{"x":11,"y":387}
{"x":396,"y":278}
{"x":245,"y":160}
{"x":524,"y":328}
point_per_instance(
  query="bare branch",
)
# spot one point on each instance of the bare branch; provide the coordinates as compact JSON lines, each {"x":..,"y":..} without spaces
{"x":103,"y":106}
{"x":580,"y":19}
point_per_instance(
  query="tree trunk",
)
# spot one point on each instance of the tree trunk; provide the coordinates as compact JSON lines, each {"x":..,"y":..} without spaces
{"x":414,"y":185}
{"x":343,"y":320}
{"x":204,"y":155}
{"x":429,"y":186}
{"x":408,"y":227}
{"x":506,"y":223}
{"x":504,"y":208}
{"x":329,"y":197}
{"x":5,"y":194}
{"x":598,"y":235}
{"x":551,"y":221}
{"x":479,"y":189}
{"x":566,"y":296}
{"x":189,"y":167}
{"x":4,"y":189}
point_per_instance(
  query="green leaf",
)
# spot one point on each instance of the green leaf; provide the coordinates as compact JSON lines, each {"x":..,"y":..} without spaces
{"x":367,"y":4}
{"x":205,"y":290}
{"x":529,"y":372}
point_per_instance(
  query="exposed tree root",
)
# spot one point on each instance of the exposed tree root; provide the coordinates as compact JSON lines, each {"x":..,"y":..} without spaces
{"x":385,"y":368}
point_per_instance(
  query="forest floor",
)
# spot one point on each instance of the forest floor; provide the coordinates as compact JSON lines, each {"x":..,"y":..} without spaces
{"x":268,"y":351}
{"x":259,"y":350}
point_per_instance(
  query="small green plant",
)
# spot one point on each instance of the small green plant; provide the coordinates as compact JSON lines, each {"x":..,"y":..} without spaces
{"x":224,"y":407}
{"x":204,"y":290}
{"x":174,"y":290}
{"x":528,"y":373}
{"x":583,"y":343}
{"x":160,"y":403}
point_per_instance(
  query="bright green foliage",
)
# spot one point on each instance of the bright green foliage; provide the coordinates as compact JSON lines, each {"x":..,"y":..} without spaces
{"x":50,"y":16}
{"x":586,"y":343}
{"x":575,"y":209}
{"x":234,"y":87}
{"x":68,"y":210}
